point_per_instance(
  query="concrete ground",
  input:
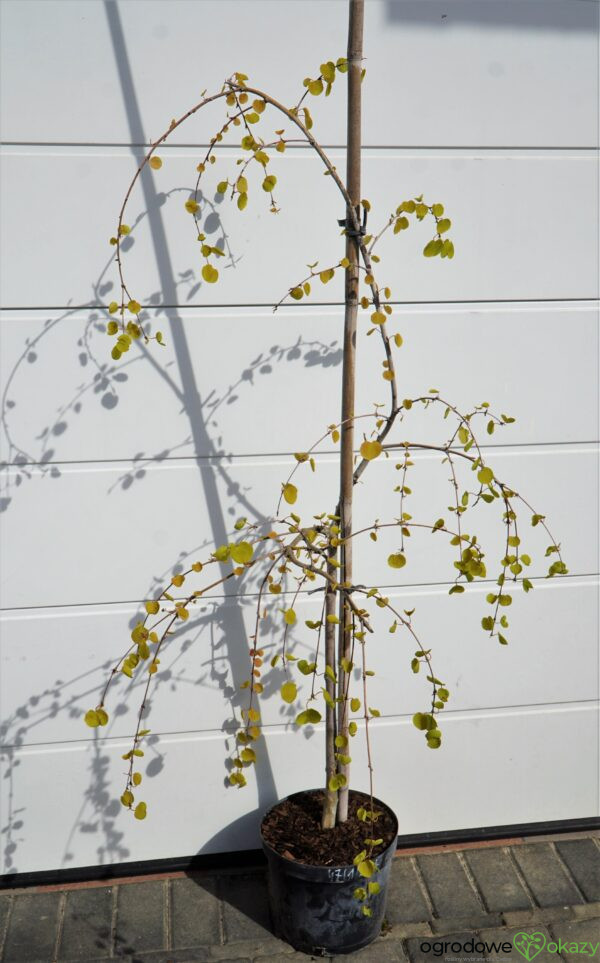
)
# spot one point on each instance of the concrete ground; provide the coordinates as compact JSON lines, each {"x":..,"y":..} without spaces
{"x":483,"y":892}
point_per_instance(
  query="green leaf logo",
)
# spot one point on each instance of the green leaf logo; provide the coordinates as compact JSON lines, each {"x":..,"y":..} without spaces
{"x":529,"y":944}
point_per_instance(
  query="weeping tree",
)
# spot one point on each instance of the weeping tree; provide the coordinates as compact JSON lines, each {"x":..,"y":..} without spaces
{"x":292,"y":554}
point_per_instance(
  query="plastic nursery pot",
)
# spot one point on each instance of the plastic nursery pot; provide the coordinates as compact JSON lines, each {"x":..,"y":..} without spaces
{"x":313,"y":908}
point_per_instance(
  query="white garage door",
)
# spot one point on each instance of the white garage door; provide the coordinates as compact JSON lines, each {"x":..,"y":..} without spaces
{"x":112,"y":476}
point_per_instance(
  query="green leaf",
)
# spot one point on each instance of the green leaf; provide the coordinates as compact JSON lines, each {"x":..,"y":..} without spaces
{"x":91,"y":719}
{"x":367,"y":868}
{"x":140,"y":811}
{"x":485,"y":476}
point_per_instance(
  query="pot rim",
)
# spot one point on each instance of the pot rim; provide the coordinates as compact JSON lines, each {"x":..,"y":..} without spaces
{"x":342,"y":866}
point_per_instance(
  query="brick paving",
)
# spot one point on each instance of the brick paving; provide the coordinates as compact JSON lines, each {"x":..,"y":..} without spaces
{"x":457,"y":896}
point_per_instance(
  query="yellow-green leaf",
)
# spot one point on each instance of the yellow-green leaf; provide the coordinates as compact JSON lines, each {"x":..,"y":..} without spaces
{"x":289,"y":691}
{"x":127,"y":798}
{"x":140,"y":811}
{"x":396,"y":560}
{"x":242,"y":552}
{"x":91,"y":719}
{"x":289,"y":617}
{"x":210,"y":274}
{"x":309,"y":715}
{"x":367,"y":868}
{"x":370,"y":450}
{"x":290,"y":493}
{"x":152,"y":607}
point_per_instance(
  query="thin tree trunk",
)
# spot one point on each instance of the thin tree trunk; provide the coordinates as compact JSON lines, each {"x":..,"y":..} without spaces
{"x":353,"y":166}
{"x":331,"y":796}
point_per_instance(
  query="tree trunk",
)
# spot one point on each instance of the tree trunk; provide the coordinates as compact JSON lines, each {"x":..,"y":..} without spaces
{"x":353,"y":166}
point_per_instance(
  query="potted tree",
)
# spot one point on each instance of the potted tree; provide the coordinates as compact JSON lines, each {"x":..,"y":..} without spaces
{"x":328,"y":849}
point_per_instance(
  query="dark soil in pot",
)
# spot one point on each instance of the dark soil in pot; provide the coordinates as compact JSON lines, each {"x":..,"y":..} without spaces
{"x":312,"y":877}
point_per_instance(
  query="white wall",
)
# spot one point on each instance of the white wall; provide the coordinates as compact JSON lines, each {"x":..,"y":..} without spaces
{"x":116,"y":474}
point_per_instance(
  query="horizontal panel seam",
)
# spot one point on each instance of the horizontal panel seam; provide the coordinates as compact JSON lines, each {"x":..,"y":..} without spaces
{"x":216,"y":599}
{"x":592,"y":300}
{"x":232,"y":456}
{"x":404,"y":718}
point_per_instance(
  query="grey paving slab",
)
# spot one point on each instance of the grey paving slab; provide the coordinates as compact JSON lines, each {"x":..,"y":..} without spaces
{"x":246,"y":908}
{"x":5,"y":907}
{"x":545,"y":876}
{"x":405,"y":901}
{"x":431,"y":949}
{"x":497,"y":880}
{"x":32,"y":929}
{"x":140,"y":918}
{"x":195,"y":912}
{"x":201,"y":954}
{"x":383,"y":950}
{"x":573,"y":935}
{"x":269,"y":946}
{"x":501,"y":936}
{"x":449,"y":888}
{"x":87,"y":924}
{"x":582,"y":857}
{"x":475,"y":921}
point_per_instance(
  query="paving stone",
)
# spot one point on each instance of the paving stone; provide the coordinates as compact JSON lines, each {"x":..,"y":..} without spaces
{"x":583,"y":859}
{"x":197,"y":955}
{"x":545,"y":876}
{"x":497,"y":880}
{"x":405,"y":931}
{"x":456,"y":924}
{"x":587,"y":911}
{"x":431,"y":949}
{"x":246,"y":908}
{"x":290,"y":957}
{"x":140,"y":918}
{"x":5,"y":904}
{"x":269,"y":946}
{"x":381,"y":951}
{"x":501,"y":936}
{"x":87,"y":924}
{"x":405,"y":901}
{"x":32,"y":928}
{"x":194,"y":912}
{"x":450,"y":890}
{"x":578,"y":932}
{"x":547,"y":914}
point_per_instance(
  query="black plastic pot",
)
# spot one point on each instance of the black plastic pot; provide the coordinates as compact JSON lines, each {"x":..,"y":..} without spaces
{"x":313,"y":908}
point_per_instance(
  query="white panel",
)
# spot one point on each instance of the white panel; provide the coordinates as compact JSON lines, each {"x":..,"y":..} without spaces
{"x":509,"y":244}
{"x":503,"y":72}
{"x":80,"y":537}
{"x":70,"y":652}
{"x":246,"y":362}
{"x":184,"y":786}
